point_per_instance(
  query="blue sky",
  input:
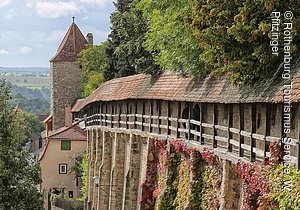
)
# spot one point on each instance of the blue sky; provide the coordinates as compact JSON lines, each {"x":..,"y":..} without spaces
{"x":31,"y":30}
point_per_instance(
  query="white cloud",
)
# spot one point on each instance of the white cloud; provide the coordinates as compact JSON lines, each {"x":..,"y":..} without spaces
{"x":95,"y":2}
{"x":3,"y":52}
{"x":4,"y":3}
{"x":59,"y":8}
{"x":25,"y":50}
{"x":56,"y":9}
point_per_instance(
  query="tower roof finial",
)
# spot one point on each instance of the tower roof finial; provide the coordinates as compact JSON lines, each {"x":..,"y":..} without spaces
{"x":73,"y":19}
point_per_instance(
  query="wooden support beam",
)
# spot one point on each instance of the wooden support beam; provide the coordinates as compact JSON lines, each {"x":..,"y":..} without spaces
{"x":267,"y":129}
{"x":201,"y":120}
{"x":143,"y":114}
{"x":105,"y":117}
{"x":150,"y":116}
{"x":229,"y":124}
{"x":241,"y":150}
{"x":126,"y":115}
{"x":101,"y":111}
{"x":168,"y":118}
{"x":215,"y":142}
{"x":282,"y":134}
{"x":111,"y":114}
{"x":119,"y":113}
{"x":95,"y":111}
{"x":159,"y":115}
{"x":135,"y":113}
{"x":253,"y":130}
{"x":189,"y":121}
{"x":177,"y":120}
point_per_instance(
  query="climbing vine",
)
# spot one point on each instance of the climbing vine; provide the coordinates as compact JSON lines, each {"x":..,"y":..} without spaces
{"x":181,"y":178}
{"x":171,"y":186}
{"x":263,"y":184}
{"x":149,"y":186}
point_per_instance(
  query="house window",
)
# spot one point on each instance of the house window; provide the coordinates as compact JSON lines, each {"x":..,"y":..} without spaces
{"x":70,"y":194}
{"x":65,"y":145}
{"x":63,"y":168}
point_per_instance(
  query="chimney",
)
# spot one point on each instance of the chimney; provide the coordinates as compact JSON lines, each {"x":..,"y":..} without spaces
{"x":89,"y":38}
{"x":68,"y":115}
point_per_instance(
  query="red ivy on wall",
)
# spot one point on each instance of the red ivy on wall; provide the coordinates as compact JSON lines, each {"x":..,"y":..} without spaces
{"x":255,"y":178}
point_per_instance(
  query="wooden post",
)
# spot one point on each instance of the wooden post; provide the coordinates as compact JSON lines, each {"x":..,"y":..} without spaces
{"x":119,"y":114}
{"x":253,"y":130}
{"x":126,"y":115}
{"x":189,"y":122}
{"x":241,"y":150}
{"x":135,"y":113}
{"x":168,"y":119}
{"x":94,"y":113}
{"x":215,"y":143}
{"x":267,"y":130}
{"x":104,"y":112}
{"x":229,"y":118}
{"x":201,"y":119}
{"x":150,"y":117}
{"x":177,"y":120}
{"x":159,"y":114}
{"x":283,"y":134}
{"x":101,"y":112}
{"x":111,"y":114}
{"x":143,"y":114}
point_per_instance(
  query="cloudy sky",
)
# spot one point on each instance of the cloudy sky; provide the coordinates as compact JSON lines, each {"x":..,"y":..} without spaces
{"x":31,"y":30}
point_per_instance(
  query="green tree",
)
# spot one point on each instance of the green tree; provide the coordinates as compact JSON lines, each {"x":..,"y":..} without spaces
{"x":32,"y":122}
{"x":19,"y":176}
{"x":93,"y":61}
{"x":170,"y":36}
{"x":202,"y":37}
{"x":125,"y":51}
{"x":235,"y":36}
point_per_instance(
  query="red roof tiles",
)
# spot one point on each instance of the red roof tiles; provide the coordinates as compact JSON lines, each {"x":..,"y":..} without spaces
{"x":73,"y":43}
{"x":68,"y":133}
{"x":175,"y":88}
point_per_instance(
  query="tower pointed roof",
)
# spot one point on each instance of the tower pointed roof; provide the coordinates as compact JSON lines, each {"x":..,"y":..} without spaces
{"x":72,"y":43}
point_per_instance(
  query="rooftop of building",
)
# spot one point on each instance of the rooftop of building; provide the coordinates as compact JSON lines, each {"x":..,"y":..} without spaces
{"x":73,"y":133}
{"x":168,"y":86}
{"x":72,"y":44}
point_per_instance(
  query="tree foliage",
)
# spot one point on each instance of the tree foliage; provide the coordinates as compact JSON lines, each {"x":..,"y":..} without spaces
{"x":35,"y":100}
{"x":93,"y":61}
{"x":19,"y":176}
{"x":235,"y":36}
{"x":169,"y":36}
{"x":125,"y":51}
{"x":202,"y":37}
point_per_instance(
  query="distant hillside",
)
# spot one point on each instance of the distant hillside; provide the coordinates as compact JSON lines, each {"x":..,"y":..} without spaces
{"x":35,"y":100}
{"x":41,"y":70}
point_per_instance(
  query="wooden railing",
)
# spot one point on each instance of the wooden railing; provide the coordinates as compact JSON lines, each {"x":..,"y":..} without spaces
{"x":193,"y":130}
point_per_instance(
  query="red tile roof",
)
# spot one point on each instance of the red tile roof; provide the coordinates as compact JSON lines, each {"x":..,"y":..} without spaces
{"x":175,"y":88}
{"x":64,"y":133}
{"x":68,"y":133}
{"x":73,"y":43}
